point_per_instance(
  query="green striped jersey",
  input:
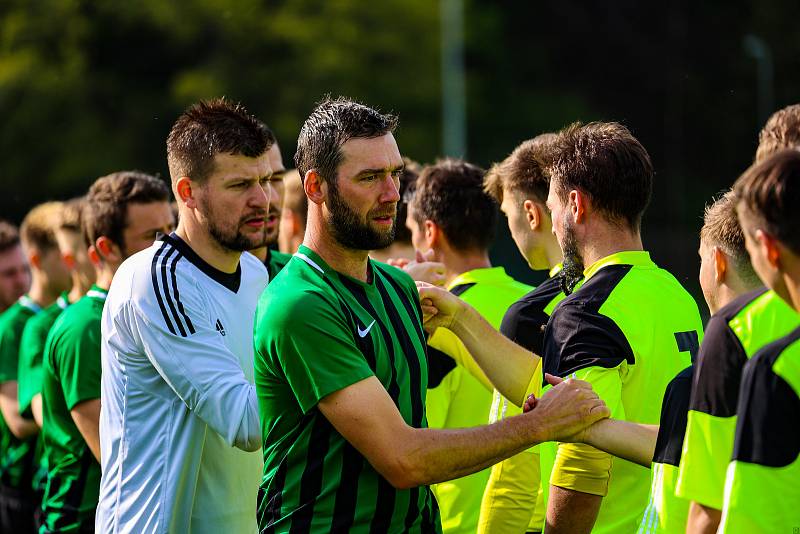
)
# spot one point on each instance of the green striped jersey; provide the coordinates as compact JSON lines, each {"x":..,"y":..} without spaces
{"x":736,"y":332}
{"x":71,"y":376}
{"x":17,"y":456}
{"x":762,"y":488}
{"x":318,"y":331}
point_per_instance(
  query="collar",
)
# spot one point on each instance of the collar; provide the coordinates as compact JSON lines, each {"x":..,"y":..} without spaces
{"x":97,"y":292}
{"x":63,"y":301}
{"x":26,"y":302}
{"x":318,"y":264}
{"x":228,"y":280}
{"x":636,"y":258}
{"x":478,"y":276}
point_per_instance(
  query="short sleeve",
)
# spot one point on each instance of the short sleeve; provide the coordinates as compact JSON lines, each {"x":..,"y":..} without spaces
{"x":310,"y":342}
{"x":581,"y":467}
{"x":30,"y":372}
{"x":9,"y":350}
{"x":78,"y":357}
{"x":449,"y":345}
{"x":711,"y":420}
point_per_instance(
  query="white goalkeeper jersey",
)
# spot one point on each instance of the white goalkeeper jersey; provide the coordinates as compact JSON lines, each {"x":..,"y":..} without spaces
{"x":179,"y":429}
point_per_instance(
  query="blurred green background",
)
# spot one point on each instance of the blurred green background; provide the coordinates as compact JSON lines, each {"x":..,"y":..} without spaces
{"x":90,"y":87}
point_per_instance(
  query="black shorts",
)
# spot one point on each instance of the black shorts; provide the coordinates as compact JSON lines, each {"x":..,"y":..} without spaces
{"x":18,"y":511}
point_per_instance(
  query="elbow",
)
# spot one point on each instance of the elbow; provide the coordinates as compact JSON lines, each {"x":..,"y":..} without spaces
{"x":404,"y":473}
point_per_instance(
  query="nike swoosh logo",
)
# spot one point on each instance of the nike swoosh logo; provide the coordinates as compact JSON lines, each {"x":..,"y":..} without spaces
{"x":362,"y":333}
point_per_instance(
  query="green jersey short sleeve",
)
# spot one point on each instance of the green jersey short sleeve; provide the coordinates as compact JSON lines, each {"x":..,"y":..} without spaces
{"x":762,"y":488}
{"x":736,"y":332}
{"x":30,"y":353}
{"x":629,"y":330}
{"x":71,"y":376}
{"x":316,"y":332}
{"x":17,"y":456}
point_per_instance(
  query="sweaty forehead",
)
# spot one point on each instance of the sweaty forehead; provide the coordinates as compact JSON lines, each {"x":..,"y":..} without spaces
{"x":375,"y":153}
{"x":229,"y":166}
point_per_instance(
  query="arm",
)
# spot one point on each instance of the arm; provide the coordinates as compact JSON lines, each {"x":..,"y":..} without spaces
{"x":36,"y":408}
{"x":507,"y":365}
{"x":634,"y":442}
{"x":571,"y":511}
{"x":86,"y":415}
{"x":9,"y":406}
{"x":702,"y":519}
{"x":408,"y":457}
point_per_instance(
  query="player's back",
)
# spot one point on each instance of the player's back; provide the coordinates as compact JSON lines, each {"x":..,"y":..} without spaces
{"x":628,"y":330}
{"x":170,"y":327}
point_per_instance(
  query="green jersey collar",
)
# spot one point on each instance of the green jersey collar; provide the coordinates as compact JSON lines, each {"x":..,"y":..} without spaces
{"x":479,"y":276}
{"x":637,"y":258}
{"x":97,"y":292}
{"x":63,"y":300}
{"x":318,"y":264}
{"x":26,"y":302}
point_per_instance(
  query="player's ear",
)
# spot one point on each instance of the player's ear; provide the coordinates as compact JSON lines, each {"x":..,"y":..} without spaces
{"x":720,"y":265}
{"x":184,"y":191}
{"x":108,"y":250}
{"x":35,"y":259}
{"x":432,"y":233}
{"x":533,"y":213}
{"x":69,"y":260}
{"x":771,"y":246}
{"x":577,"y":204}
{"x":94,"y":256}
{"x":315,"y":187}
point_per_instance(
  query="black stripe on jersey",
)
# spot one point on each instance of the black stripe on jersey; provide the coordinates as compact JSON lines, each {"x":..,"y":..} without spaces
{"x":413,"y":508}
{"x":672,"y":426}
{"x":411,"y":304}
{"x":361,"y":296}
{"x":74,"y":496}
{"x":159,"y":299}
{"x":578,"y":336}
{"x":525,"y":321}
{"x":409,"y":351}
{"x":230,"y":281}
{"x":767,"y":432}
{"x":720,"y":361}
{"x":384,"y":507}
{"x":365,"y":344}
{"x":311,"y":479}
{"x":344,"y":508}
{"x":189,"y":324}
{"x":269,"y":502}
{"x":460,"y":289}
{"x":165,"y":286}
{"x":430,"y":513}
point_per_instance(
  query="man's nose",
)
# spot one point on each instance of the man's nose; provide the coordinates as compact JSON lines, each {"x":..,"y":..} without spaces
{"x":391,"y":189}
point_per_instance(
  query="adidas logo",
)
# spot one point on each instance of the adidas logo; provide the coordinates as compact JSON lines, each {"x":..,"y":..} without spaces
{"x":220,"y":328}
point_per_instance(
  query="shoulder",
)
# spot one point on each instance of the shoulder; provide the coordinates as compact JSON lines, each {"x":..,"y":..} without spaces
{"x":252,"y":265}
{"x":398,"y":277}
{"x":294,"y":298}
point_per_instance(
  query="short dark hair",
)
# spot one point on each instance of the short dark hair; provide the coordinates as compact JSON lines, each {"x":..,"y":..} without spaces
{"x":770,"y":190}
{"x":106,"y":209}
{"x":782,"y":130}
{"x":9,"y":236}
{"x":408,"y":184}
{"x":522,"y":171}
{"x":333,"y":122}
{"x":450,"y":193}
{"x":606,"y":162}
{"x":213,"y":127}
{"x":721,"y":228}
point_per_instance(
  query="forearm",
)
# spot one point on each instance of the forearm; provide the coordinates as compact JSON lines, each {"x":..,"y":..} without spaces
{"x":9,"y":407}
{"x":571,"y":511}
{"x":631,"y":441}
{"x":436,"y":455}
{"x":508,"y":366}
{"x":702,"y":519}
{"x":36,"y":408}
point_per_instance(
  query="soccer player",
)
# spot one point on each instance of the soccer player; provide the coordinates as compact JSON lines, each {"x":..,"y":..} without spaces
{"x":17,"y":433}
{"x":15,"y":278}
{"x":293,"y":215}
{"x":120,"y":216}
{"x":450,"y":215}
{"x":513,"y":501}
{"x":341,"y":372}
{"x":761,"y":489}
{"x":179,"y":432}
{"x":628,"y":329}
{"x":273,"y":259}
{"x":731,"y":339}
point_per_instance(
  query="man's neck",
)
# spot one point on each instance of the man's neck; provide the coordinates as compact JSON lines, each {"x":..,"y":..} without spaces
{"x":207,"y":248}
{"x":553,"y":253}
{"x":608,"y":240}
{"x":791,"y":276}
{"x":352,"y":263}
{"x":729,"y":292}
{"x":41,"y":293}
{"x":456,"y":264}
{"x":80,"y":285}
{"x":105,"y":275}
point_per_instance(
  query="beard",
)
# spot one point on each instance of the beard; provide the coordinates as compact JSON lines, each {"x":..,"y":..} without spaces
{"x":351,"y":232}
{"x":229,"y":236}
{"x":572,"y":271}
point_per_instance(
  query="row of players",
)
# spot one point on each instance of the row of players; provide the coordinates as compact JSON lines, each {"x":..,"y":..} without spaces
{"x":615,"y":330}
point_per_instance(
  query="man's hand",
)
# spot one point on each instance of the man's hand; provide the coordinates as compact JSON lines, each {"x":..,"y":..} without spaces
{"x":422,"y":269}
{"x":440,"y":308}
{"x":567,"y":410}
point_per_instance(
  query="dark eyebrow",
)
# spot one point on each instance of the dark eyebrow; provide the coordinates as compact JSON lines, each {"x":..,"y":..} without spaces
{"x":366,"y":172}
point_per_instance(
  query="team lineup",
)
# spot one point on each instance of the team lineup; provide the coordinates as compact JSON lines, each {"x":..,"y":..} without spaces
{"x":251,"y":348}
